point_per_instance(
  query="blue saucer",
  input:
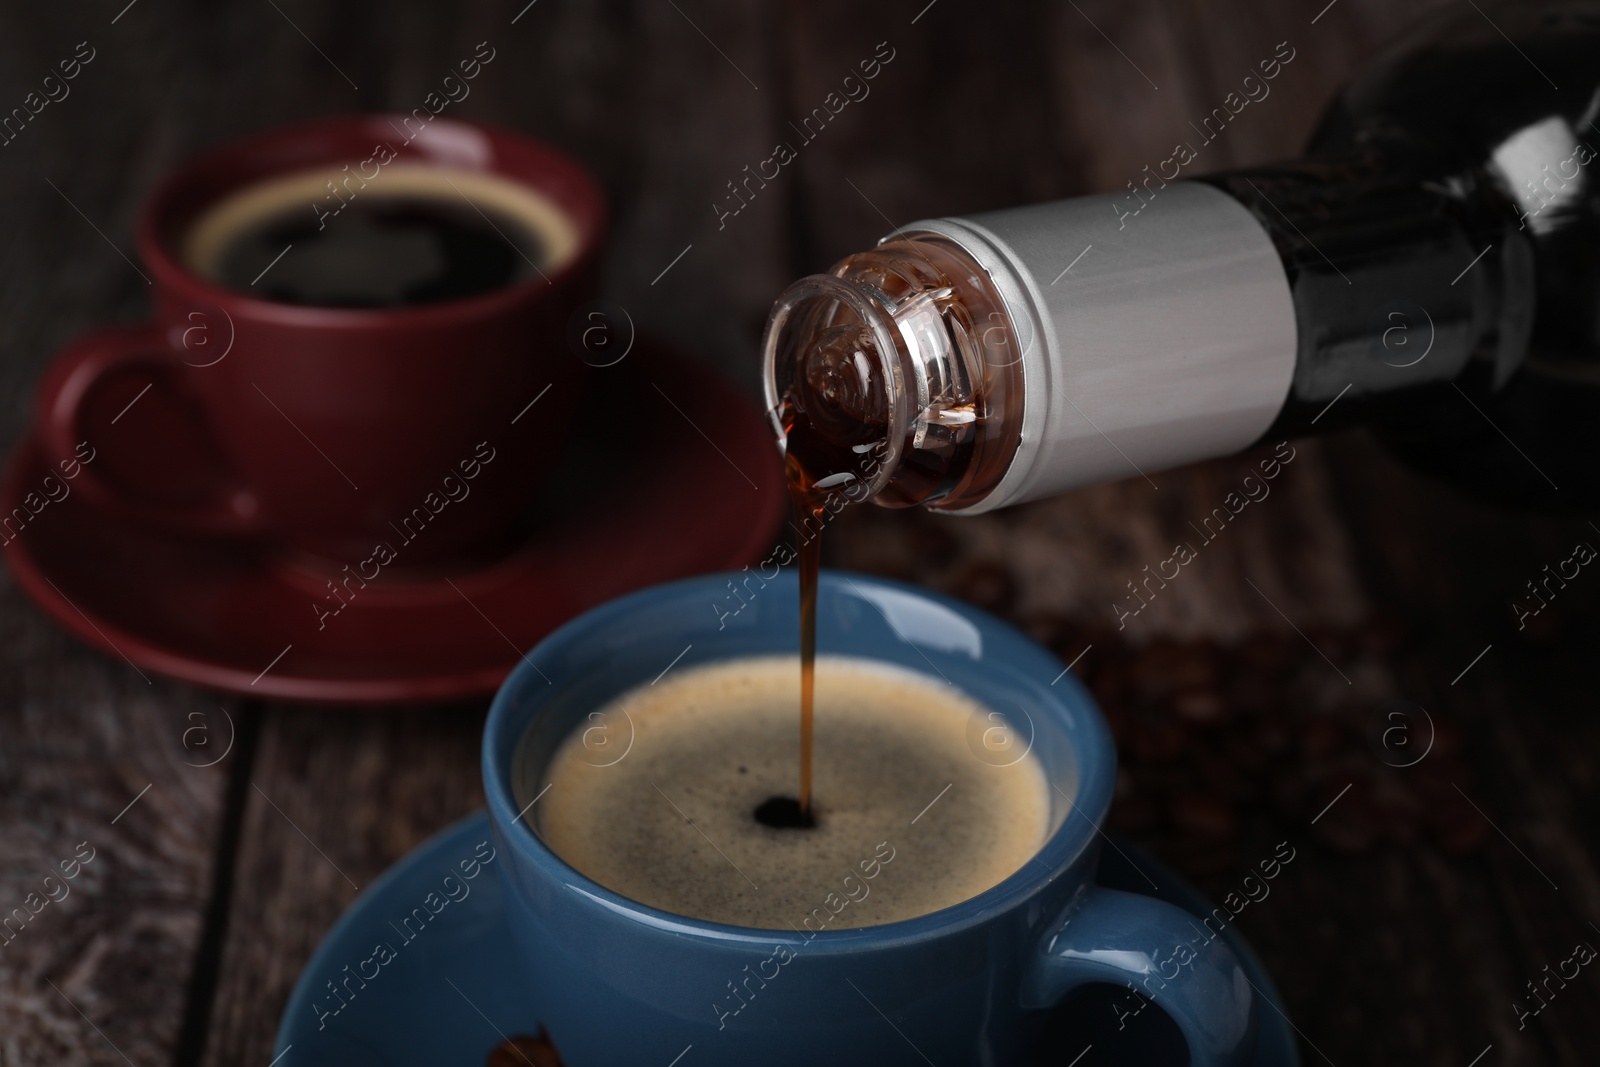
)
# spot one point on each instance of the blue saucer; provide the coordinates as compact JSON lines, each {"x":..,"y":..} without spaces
{"x":449,"y":989}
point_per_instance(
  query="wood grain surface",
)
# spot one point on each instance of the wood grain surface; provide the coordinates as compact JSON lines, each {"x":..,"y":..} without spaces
{"x":1250,"y":695}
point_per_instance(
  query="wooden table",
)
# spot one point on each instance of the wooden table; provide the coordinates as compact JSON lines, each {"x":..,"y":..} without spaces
{"x":1247,"y":697}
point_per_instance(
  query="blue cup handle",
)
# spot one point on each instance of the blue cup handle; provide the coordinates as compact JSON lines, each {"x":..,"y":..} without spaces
{"x":1109,"y":936}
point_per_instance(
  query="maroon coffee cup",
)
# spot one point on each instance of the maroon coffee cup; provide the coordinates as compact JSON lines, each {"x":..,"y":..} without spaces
{"x":326,"y":429}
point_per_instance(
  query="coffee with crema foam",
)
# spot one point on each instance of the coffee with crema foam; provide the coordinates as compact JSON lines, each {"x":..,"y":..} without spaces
{"x":909,"y":818}
{"x":413,"y":234}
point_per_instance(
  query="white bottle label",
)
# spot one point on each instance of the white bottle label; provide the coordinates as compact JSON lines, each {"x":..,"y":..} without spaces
{"x":1148,"y":341}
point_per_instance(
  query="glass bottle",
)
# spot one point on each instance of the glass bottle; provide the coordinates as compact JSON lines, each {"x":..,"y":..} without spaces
{"x":1431,"y":267}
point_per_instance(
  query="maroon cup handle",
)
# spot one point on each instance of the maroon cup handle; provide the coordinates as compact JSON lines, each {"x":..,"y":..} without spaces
{"x":231,"y":510}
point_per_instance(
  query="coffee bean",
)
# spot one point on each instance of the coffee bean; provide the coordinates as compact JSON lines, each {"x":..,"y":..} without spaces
{"x":1085,"y":647}
{"x":1320,"y":736}
{"x":1396,"y":810}
{"x":1112,"y":681}
{"x":1543,"y":628}
{"x":1048,"y":630}
{"x":1117,"y":718}
{"x":868,"y":539}
{"x":1335,"y":644}
{"x":1135,"y":810}
{"x":1252,"y":691}
{"x":1287,"y":791}
{"x":1456,"y":825}
{"x":1204,"y":814}
{"x":1348,"y":827}
{"x":1155,"y":669}
{"x":1157,"y":740}
{"x":1196,"y":666}
{"x":1382,"y":636}
{"x":521,"y":1051}
{"x":1205,"y":858}
{"x":1274,"y":734}
{"x":1462,"y":835}
{"x":1203,"y":707}
{"x":1208,"y":768}
{"x":1446,"y":740}
{"x":1244,"y":750}
{"x":930,"y":540}
{"x":1438,"y":784}
{"x":1352,"y":839}
{"x":1263,"y":651}
{"x":985,"y":585}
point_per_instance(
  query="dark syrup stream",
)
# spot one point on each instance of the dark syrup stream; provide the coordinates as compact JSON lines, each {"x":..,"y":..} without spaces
{"x":818,"y":445}
{"x":848,"y":432}
{"x":807,"y":503}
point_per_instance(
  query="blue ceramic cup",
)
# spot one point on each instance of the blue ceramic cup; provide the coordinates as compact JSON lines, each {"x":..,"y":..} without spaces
{"x":621,"y":984}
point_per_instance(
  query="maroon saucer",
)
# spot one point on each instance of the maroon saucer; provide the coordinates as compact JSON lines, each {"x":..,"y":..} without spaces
{"x":671,"y":472}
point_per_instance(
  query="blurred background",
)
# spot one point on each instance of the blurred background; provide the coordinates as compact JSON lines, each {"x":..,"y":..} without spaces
{"x":979,"y":108}
{"x":1311,"y":679}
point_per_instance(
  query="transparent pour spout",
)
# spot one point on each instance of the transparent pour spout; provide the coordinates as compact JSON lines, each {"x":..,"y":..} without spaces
{"x":896,"y":376}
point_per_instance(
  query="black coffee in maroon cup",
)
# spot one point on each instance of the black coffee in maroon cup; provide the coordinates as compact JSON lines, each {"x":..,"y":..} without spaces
{"x":352,"y":317}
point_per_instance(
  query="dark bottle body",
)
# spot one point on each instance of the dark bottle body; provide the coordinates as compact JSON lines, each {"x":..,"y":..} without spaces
{"x":1442,"y":244}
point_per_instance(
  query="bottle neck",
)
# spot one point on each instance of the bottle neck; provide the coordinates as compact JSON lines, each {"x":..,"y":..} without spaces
{"x":895,"y":376}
